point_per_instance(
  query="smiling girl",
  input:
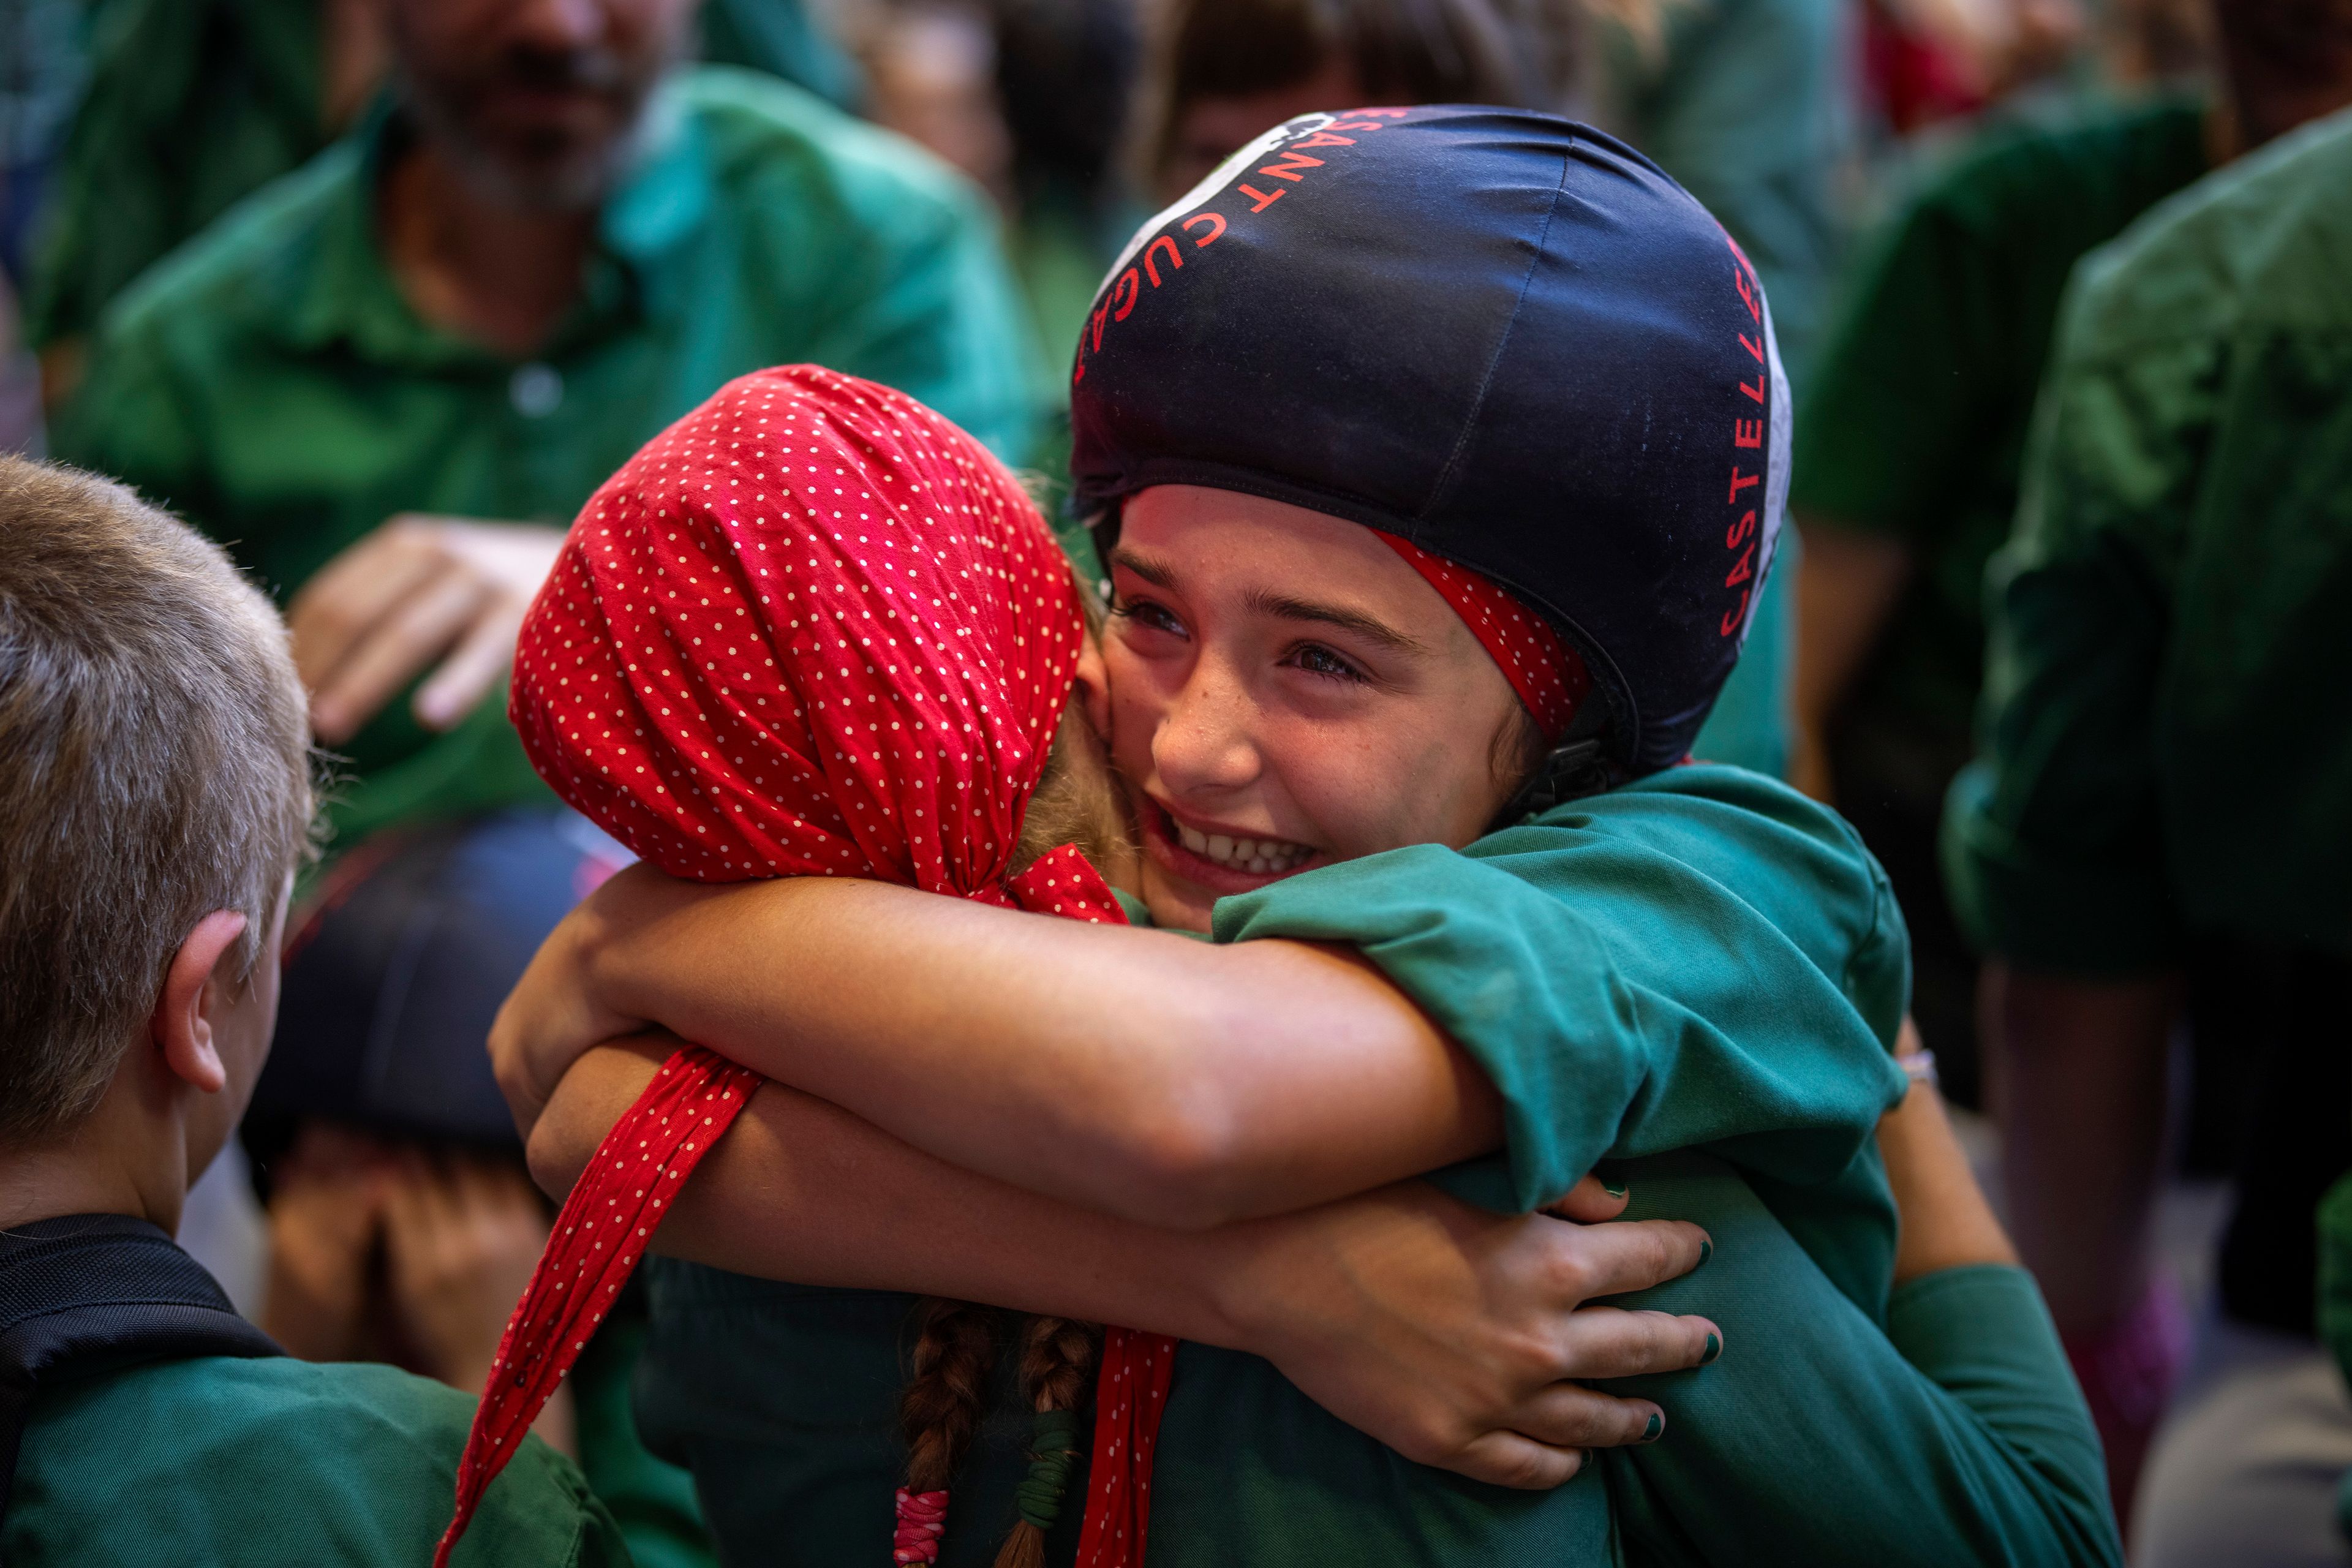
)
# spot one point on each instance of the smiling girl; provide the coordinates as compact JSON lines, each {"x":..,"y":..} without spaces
{"x":1441,"y":473}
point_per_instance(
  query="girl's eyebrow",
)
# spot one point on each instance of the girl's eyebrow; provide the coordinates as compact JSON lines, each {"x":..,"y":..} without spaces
{"x":1159,"y":574}
{"x":1284,"y":606}
{"x":1290,"y":608}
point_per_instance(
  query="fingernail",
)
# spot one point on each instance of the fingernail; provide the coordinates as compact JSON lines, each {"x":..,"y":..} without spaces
{"x":1706,"y":1251}
{"x":1657,"y":1425}
{"x":1614,"y":1189}
{"x":1714,"y":1348}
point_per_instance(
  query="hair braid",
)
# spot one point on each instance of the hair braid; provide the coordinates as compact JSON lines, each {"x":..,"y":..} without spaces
{"x":1057,"y":1359}
{"x":955,"y":1348}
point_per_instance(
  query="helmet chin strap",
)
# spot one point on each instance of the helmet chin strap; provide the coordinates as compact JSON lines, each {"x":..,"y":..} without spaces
{"x":1576,"y":767}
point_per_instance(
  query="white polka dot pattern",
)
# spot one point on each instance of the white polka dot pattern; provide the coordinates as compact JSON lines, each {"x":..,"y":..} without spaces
{"x":1548,"y":674}
{"x":812,"y":629}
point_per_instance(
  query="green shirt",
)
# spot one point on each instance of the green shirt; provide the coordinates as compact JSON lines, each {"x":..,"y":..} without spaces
{"x":195,"y":104}
{"x":1914,"y":425}
{"x":2167,"y":736}
{"x":652,"y":1502}
{"x":269,"y":382}
{"x":280,"y":1463}
{"x":1703,"y":957}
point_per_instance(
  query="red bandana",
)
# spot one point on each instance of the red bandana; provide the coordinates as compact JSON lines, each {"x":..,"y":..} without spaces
{"x":1544,"y":670}
{"x":812,"y":629}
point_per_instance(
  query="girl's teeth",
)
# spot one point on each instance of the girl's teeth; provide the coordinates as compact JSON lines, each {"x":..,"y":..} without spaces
{"x":1256,"y":856}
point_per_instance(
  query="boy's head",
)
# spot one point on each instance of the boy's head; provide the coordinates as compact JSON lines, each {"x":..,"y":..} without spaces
{"x":155,"y":799}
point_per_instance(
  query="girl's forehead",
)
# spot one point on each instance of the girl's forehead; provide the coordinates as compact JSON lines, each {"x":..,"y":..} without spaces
{"x":1224,"y":544}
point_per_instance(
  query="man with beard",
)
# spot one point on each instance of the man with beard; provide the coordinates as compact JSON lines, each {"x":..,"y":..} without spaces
{"x":390,"y":378}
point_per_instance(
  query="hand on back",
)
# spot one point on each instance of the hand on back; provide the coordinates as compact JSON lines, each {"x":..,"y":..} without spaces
{"x":1460,"y":1338}
{"x":419,"y":591}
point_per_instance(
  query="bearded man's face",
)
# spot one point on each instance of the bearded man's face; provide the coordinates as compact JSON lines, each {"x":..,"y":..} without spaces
{"x":537,"y":102}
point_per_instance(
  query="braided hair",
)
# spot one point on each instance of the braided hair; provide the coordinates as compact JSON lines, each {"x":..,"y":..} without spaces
{"x":955,"y":1343}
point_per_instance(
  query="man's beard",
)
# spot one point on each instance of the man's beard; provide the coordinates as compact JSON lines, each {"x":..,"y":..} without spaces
{"x":552,"y":170}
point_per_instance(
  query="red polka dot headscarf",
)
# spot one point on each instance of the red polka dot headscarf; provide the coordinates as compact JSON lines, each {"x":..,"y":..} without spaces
{"x":812,"y":628}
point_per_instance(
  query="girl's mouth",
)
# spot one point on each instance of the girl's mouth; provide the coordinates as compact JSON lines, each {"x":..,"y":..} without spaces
{"x":1225,"y":862}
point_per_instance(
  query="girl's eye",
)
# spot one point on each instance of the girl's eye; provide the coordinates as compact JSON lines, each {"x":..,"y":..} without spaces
{"x":1145,"y":612}
{"x":1316,"y":659}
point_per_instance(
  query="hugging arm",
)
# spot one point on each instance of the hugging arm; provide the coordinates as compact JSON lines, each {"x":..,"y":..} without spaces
{"x":1442,"y":1330}
{"x":1242,"y":1080}
{"x":1955,"y":1434}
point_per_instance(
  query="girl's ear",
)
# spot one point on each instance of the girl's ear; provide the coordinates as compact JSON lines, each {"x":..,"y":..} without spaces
{"x":1092,"y":689}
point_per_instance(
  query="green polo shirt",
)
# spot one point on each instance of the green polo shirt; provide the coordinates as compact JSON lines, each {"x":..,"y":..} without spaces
{"x":1914,"y":425}
{"x":280,"y":1463}
{"x":2166,"y":733}
{"x":1704,"y":959}
{"x":269,"y":382}
{"x":192,"y":105}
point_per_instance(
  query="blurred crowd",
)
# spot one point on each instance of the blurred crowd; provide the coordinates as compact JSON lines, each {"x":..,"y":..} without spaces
{"x":329,"y":280}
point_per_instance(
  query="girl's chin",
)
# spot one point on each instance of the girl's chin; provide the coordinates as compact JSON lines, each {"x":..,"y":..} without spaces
{"x":1173,"y":905}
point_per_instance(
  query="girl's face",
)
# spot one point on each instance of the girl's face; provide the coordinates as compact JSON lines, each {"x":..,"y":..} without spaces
{"x":1284,"y":691}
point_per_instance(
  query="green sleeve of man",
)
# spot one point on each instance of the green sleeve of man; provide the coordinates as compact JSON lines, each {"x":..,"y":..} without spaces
{"x":277,"y":1463}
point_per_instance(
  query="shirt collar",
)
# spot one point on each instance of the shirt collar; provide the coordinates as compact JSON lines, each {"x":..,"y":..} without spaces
{"x":638,"y":267}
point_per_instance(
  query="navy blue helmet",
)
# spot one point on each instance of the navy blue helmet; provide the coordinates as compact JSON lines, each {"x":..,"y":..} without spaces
{"x":1505,"y":336}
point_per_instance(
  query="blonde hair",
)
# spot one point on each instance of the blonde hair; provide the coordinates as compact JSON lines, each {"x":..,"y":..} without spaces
{"x":154,"y":766}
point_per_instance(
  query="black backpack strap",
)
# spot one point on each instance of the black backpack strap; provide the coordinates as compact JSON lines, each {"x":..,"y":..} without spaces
{"x":87,"y":1293}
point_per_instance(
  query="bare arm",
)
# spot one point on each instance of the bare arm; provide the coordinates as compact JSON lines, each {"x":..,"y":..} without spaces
{"x":1946,"y":1221}
{"x":2080,"y":1079}
{"x":1847,"y":583}
{"x":1445,"y":1331}
{"x":1232,"y":1081}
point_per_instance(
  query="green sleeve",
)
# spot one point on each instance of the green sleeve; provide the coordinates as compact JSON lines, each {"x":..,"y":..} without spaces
{"x":2053,"y":836}
{"x":190,"y":105}
{"x":1703,"y":958}
{"x":1890,"y":416}
{"x":1954,"y":1436}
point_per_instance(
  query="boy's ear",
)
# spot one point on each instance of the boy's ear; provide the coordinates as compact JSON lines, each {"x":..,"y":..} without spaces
{"x":1092,"y":689}
{"x":197,"y":981}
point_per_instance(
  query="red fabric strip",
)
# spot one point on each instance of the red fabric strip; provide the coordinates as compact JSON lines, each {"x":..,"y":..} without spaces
{"x":1548,"y":675}
{"x":598,"y":1237}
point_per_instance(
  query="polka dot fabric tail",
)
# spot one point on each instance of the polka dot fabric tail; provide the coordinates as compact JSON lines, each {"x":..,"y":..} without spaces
{"x":591,"y":1250}
{"x":811,"y":629}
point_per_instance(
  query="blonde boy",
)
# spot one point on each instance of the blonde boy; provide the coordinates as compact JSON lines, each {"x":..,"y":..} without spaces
{"x":155,"y":800}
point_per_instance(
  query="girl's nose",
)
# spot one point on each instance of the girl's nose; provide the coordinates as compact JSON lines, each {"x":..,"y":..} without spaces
{"x":1205,"y":740}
